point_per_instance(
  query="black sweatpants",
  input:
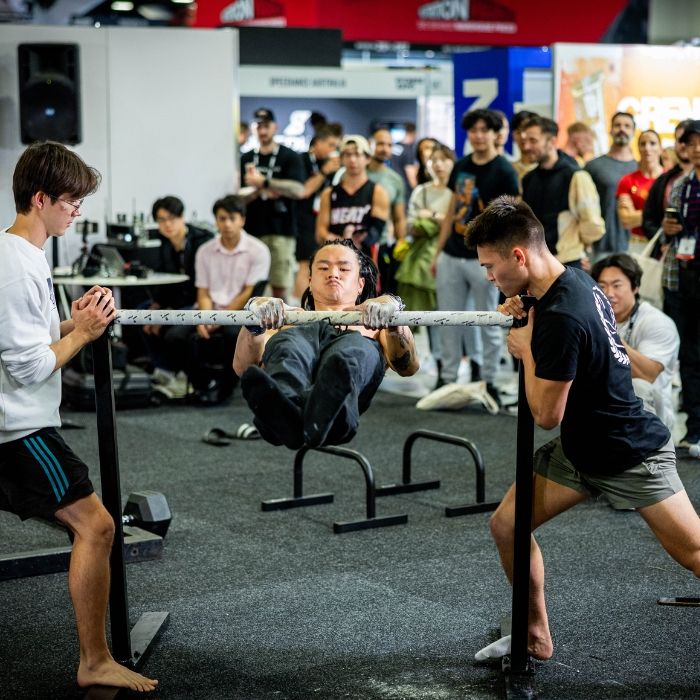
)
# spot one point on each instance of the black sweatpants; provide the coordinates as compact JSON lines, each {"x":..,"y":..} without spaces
{"x":330,"y":374}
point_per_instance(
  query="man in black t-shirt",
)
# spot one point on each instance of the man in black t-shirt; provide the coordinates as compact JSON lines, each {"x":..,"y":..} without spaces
{"x":476,"y":179}
{"x":273,"y":180}
{"x":179,"y":243}
{"x":577,"y":376}
{"x":319,"y":164}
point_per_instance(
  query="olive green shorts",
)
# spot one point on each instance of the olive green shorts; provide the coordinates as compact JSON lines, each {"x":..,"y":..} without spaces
{"x":283,"y":260}
{"x":649,"y":482}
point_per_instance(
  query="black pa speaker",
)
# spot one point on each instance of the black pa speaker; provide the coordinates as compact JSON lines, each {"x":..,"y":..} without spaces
{"x":49,"y":93}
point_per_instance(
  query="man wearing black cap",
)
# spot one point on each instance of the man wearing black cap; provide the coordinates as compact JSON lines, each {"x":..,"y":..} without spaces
{"x":275,"y":174}
{"x":684,"y":246}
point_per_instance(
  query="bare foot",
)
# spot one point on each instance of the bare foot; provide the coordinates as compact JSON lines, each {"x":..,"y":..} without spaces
{"x":109,"y":672}
{"x":539,"y":643}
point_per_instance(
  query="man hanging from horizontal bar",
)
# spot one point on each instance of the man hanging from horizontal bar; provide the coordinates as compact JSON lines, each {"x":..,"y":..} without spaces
{"x":308,"y":384}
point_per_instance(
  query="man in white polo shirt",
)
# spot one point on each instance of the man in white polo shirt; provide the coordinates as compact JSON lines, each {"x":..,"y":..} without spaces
{"x":227,"y":268}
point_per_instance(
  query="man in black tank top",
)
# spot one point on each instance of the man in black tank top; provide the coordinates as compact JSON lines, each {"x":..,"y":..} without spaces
{"x":578,"y":377}
{"x":355,"y":208}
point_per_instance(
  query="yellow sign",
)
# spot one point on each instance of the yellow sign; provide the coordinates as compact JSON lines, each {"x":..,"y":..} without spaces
{"x":658,"y":85}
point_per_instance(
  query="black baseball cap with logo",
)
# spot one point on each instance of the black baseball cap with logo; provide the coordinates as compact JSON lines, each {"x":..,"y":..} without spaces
{"x":691,"y":127}
{"x":263,"y":115}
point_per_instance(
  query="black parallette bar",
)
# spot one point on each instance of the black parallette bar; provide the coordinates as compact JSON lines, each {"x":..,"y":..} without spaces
{"x":394,"y":489}
{"x":369,"y":523}
{"x":286,"y":503}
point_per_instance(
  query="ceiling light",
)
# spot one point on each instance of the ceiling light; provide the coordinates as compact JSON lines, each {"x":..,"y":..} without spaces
{"x":122,"y":5}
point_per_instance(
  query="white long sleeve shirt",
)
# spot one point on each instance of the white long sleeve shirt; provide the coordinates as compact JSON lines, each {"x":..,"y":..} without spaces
{"x":30,"y":389}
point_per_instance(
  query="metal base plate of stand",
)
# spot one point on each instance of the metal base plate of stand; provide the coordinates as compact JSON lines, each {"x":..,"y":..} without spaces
{"x":139,"y":545}
{"x":144,"y":634}
{"x":521,"y":684}
{"x":684,"y":602}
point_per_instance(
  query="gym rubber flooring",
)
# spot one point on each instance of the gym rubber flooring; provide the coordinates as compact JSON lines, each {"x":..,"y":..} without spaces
{"x":275,"y":605}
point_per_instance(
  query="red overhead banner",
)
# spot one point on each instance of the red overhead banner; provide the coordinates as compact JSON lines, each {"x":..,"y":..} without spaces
{"x":507,"y":22}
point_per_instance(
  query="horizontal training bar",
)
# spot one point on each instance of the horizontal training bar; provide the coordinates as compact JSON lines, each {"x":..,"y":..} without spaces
{"x":132,"y":317}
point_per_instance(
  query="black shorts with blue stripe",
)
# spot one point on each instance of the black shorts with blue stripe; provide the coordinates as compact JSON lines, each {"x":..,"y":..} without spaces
{"x":39,"y":474}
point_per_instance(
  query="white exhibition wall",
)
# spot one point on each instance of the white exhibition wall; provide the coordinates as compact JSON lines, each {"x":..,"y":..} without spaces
{"x":158,"y":108}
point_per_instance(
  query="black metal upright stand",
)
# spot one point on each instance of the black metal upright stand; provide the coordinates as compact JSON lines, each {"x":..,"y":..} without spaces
{"x":128,"y":648}
{"x":518,"y":668}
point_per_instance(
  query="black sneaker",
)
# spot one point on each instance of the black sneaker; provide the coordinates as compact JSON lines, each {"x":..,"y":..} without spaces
{"x":689,"y":440}
{"x":475,"y":370}
{"x":493,"y":392}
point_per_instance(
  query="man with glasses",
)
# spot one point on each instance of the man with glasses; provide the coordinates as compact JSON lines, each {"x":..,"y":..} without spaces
{"x":179,"y":243}
{"x":40,"y":476}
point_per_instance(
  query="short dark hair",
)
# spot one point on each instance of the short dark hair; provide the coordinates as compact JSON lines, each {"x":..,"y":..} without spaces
{"x":172,"y":204}
{"x":622,"y":114}
{"x":325,"y":131}
{"x":380,"y":127}
{"x":519,"y":117}
{"x":629,"y":266}
{"x":492,"y":120}
{"x":316,"y":119}
{"x":232,"y":203}
{"x":368,"y":272}
{"x":547,"y":125}
{"x":336,"y":128}
{"x":505,"y":223}
{"x":51,"y":168}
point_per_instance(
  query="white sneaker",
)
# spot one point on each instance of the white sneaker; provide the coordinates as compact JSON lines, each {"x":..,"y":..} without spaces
{"x":177,"y":387}
{"x":162,"y":376}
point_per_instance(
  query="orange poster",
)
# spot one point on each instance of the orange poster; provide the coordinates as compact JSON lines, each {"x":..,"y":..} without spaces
{"x":658,"y":85}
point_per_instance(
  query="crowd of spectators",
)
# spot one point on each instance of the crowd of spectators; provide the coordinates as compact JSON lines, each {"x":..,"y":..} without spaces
{"x":407,"y":204}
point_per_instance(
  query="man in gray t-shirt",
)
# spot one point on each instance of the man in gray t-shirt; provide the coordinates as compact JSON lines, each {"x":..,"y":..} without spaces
{"x":606,"y":172}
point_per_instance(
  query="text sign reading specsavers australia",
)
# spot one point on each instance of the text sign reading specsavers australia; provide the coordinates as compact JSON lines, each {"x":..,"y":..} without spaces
{"x":659,"y":85}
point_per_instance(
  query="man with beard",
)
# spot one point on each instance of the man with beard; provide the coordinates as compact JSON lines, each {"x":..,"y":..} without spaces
{"x":562,"y":196}
{"x":276,"y":176}
{"x":378,"y":171}
{"x":606,"y":171}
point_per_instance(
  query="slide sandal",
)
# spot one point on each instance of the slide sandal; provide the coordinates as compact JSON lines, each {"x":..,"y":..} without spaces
{"x":247,"y":431}
{"x":217,"y":437}
{"x":220,"y":437}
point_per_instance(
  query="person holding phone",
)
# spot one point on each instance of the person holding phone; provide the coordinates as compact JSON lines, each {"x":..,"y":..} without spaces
{"x":683,"y":235}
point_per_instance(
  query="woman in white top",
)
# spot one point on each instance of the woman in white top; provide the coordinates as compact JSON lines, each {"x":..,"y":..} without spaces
{"x":427,"y":207}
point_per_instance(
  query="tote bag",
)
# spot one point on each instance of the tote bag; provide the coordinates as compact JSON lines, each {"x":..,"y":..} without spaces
{"x":650,"y":288}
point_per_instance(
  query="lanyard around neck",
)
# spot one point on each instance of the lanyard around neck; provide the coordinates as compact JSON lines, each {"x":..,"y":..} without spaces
{"x":270,"y":163}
